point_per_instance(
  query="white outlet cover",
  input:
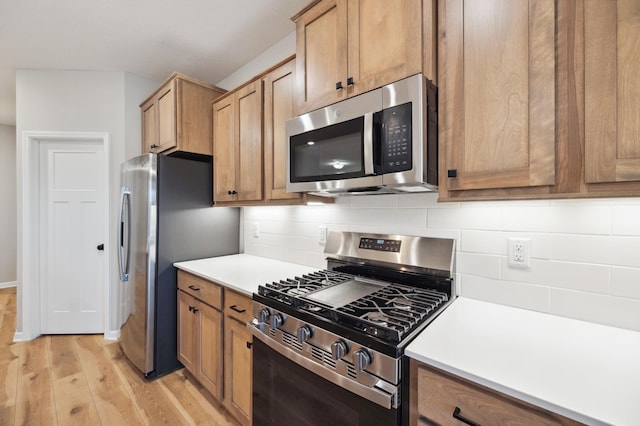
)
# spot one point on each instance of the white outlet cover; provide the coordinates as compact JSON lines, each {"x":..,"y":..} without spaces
{"x":255,"y":230}
{"x":519,"y":252}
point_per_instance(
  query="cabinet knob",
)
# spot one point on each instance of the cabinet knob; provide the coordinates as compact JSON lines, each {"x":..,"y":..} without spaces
{"x":452,"y":173}
{"x":249,"y":344}
{"x":234,"y":192}
{"x":154,"y":146}
{"x":350,"y":81}
{"x":339,"y":85}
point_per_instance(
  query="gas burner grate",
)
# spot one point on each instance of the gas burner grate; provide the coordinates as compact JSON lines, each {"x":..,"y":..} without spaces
{"x":287,"y":291}
{"x":393,"y":311}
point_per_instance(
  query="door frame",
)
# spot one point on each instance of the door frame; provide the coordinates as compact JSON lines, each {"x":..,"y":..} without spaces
{"x":28,"y":292}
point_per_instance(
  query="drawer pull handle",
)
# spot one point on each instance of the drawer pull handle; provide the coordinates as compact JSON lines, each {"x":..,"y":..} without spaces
{"x":458,"y":416}
{"x":235,"y":308}
{"x":194,"y":288}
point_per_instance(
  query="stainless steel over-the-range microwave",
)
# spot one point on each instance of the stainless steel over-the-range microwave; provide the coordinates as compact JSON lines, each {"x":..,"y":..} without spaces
{"x":382,"y":141}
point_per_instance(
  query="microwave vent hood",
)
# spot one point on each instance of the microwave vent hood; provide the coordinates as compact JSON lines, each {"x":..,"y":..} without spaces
{"x":384,"y":141}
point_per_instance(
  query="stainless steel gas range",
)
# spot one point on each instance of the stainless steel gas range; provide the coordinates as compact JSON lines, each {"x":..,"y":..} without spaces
{"x":329,"y":345}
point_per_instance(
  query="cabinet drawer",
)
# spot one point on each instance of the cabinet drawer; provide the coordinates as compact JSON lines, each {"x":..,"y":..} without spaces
{"x":200,"y":288}
{"x":442,"y":399}
{"x":237,"y":306}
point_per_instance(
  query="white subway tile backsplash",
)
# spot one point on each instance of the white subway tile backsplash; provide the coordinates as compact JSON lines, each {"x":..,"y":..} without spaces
{"x":386,"y":201}
{"x":625,"y":220}
{"x":483,"y":265}
{"x":608,"y":310}
{"x":479,"y":218}
{"x":419,"y":200}
{"x":625,"y":282}
{"x":527,"y":296}
{"x":572,"y":218}
{"x":585,"y":254}
{"x":578,"y":276}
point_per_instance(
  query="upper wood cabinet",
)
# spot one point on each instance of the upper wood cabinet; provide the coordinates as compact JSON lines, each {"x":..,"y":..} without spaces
{"x":176,"y":117}
{"x":539,"y":99}
{"x":237,"y":145}
{"x":497,"y":94}
{"x":612,"y":90}
{"x":347,"y":47}
{"x":279,"y":99}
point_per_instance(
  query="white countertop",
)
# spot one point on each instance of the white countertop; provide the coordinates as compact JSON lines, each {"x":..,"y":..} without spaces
{"x":242,"y":272}
{"x":585,"y":371}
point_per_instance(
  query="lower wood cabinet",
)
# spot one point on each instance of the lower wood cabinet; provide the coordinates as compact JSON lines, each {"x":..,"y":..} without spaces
{"x":237,"y":356}
{"x":200,"y":341}
{"x":438,"y":398}
{"x":214,"y":344}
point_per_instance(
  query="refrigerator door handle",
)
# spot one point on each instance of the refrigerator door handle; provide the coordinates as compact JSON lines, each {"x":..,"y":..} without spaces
{"x":123,"y":252}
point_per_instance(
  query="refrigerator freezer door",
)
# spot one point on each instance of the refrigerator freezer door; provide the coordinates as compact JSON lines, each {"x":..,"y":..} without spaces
{"x":139,"y":176}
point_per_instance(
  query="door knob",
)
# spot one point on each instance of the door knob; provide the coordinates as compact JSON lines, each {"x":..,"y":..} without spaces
{"x":100,"y":247}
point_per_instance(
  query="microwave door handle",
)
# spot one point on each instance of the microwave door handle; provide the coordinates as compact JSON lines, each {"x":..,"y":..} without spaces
{"x":368,"y":144}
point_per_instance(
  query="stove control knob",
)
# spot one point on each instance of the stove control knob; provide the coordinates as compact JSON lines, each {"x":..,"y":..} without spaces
{"x":361,"y":359}
{"x":263,"y":315}
{"x":339,"y":349}
{"x":304,"y":334}
{"x":276,"y":321}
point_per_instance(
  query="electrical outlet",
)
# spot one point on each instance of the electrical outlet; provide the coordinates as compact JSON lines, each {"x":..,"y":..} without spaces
{"x":519,"y":252}
{"x":255,"y":230}
{"x":322,"y":234}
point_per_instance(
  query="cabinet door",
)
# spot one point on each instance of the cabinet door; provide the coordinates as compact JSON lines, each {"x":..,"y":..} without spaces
{"x":166,"y":104}
{"x":210,"y":338}
{"x":224,"y":150}
{"x":375,"y":57}
{"x":237,"y":347}
{"x":321,"y":54}
{"x":249,"y":151}
{"x":187,"y":332}
{"x":612,"y":90}
{"x":149,"y":126}
{"x":279,"y":101}
{"x":497,"y":93}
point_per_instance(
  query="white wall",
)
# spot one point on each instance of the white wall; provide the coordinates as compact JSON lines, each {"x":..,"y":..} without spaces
{"x":276,"y":53}
{"x":8,"y":220}
{"x":83,"y":101}
{"x":585,"y":261}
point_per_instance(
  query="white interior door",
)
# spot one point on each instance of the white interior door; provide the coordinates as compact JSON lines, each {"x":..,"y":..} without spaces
{"x":72,"y":201}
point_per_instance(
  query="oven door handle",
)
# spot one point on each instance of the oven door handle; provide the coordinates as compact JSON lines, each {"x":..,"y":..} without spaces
{"x":374,"y":394}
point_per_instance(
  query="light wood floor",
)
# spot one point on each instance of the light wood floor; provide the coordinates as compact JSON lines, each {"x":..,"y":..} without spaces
{"x":85,"y":380}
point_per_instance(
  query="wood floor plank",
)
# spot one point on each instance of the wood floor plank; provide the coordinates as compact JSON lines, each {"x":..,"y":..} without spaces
{"x":9,"y":364}
{"x":74,"y":403}
{"x":85,"y":380}
{"x":200,"y":406}
{"x":113,"y":400}
{"x":152,"y":403}
{"x":34,"y":399}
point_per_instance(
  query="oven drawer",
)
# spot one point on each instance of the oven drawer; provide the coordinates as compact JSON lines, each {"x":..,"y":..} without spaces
{"x":200,"y":288}
{"x":442,"y":399}
{"x":238,"y":306}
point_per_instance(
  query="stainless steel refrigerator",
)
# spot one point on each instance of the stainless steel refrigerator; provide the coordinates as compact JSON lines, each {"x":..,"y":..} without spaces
{"x":166,"y":216}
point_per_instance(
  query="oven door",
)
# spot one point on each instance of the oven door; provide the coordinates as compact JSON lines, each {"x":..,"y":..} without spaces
{"x":285,"y":393}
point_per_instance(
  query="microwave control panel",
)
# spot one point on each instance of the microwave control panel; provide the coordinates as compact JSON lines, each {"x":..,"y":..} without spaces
{"x":396,"y":139}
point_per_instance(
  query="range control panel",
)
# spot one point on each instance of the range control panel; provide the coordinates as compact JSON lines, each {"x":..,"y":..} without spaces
{"x":380,"y":244}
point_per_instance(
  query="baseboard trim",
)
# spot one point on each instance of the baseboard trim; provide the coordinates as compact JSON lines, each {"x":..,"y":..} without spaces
{"x":18,"y":337}
{"x":9,"y":284}
{"x":112,"y":335}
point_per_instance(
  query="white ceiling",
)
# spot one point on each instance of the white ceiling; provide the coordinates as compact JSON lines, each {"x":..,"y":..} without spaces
{"x":206,"y":39}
